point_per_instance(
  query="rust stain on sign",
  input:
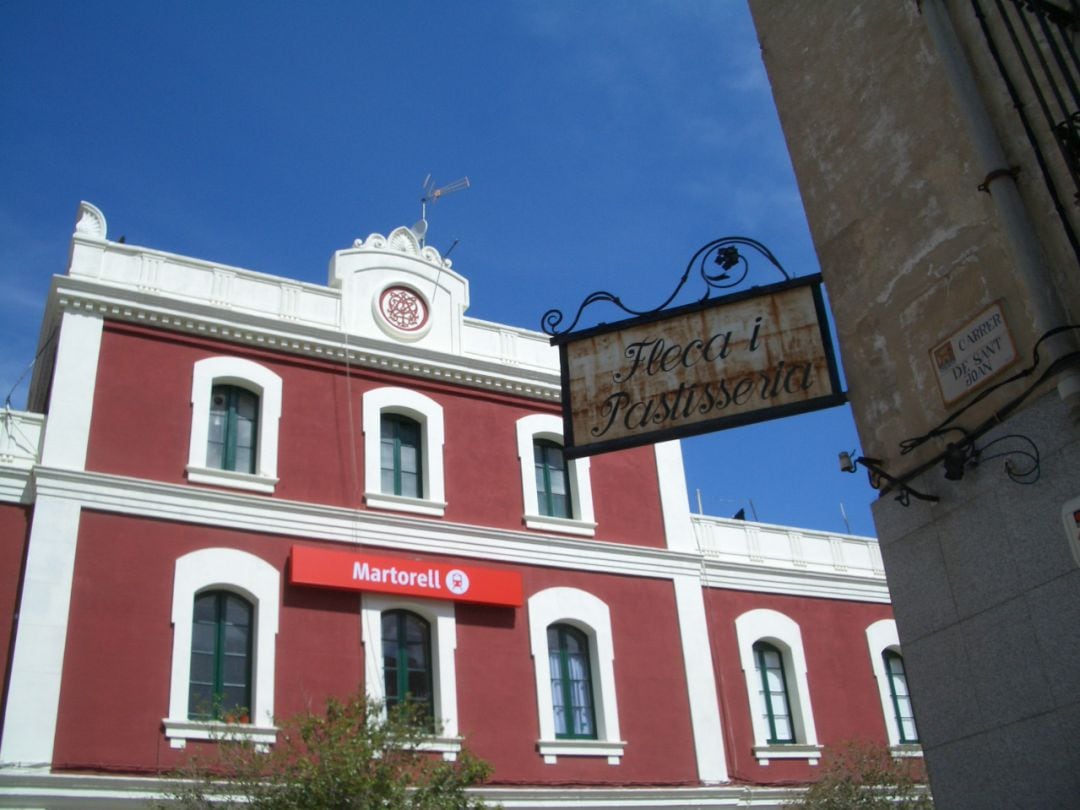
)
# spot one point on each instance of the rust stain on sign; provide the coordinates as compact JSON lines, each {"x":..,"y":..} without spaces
{"x":762,"y":356}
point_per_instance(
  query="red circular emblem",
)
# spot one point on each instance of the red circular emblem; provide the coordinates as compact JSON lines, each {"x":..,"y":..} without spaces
{"x":403,"y":309}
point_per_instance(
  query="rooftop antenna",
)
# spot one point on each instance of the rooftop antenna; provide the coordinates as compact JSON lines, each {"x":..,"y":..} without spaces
{"x":433,"y":194}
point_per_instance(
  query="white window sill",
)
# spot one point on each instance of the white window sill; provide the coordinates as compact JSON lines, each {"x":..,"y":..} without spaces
{"x":764,"y":753}
{"x":180,"y":731}
{"x":562,"y":525}
{"x":906,"y":750}
{"x":553,"y":749}
{"x":228,"y":478}
{"x":400,"y":503}
{"x":449,"y":747}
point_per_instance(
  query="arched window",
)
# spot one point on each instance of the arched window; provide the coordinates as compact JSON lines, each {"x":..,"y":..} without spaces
{"x":552,"y":486}
{"x":573,"y":659}
{"x":556,"y":493}
{"x":887,"y":661}
{"x":901,"y":698}
{"x":386,"y":678}
{"x":221,"y":640}
{"x":401,"y":458}
{"x":773,"y":694}
{"x":403,"y":451}
{"x":231,"y":443}
{"x":225,"y":623}
{"x":774,"y":667}
{"x":235,"y":412}
{"x":407,"y":670}
{"x":571,"y":683}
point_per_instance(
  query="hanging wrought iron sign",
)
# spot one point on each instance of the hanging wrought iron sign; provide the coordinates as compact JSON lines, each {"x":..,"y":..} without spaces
{"x":745,"y":357}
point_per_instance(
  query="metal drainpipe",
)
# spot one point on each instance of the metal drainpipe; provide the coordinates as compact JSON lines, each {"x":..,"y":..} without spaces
{"x":1046,"y":308}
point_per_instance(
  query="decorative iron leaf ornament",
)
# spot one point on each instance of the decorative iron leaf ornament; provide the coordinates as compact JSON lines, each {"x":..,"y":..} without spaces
{"x":724,"y":254}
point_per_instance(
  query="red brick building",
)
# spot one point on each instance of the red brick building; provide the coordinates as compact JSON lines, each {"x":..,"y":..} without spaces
{"x":233,"y":494}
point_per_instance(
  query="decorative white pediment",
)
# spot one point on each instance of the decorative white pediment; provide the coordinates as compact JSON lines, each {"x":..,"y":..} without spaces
{"x":90,"y":222}
{"x":402,"y":240}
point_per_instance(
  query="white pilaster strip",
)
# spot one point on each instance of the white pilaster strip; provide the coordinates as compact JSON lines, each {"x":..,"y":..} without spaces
{"x":38,"y":660}
{"x":700,"y":681}
{"x":67,"y":432}
{"x":674,"y":500}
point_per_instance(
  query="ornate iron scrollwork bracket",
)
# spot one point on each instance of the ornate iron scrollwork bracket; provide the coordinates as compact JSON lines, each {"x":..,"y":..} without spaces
{"x":723,"y":253}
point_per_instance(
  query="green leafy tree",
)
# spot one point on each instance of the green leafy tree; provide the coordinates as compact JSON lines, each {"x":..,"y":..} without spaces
{"x":350,"y":756}
{"x":866,"y":776}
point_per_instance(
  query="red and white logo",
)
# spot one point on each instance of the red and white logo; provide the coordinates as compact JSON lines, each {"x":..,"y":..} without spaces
{"x":457,"y":581}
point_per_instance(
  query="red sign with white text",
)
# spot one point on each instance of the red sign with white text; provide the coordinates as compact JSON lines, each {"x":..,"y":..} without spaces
{"x":359,"y":571}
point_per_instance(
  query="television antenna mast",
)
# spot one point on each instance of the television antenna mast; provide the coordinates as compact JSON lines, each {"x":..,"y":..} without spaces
{"x":432,"y":194}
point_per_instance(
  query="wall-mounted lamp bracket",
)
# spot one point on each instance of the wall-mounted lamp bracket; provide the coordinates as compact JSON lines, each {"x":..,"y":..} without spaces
{"x":849,"y":463}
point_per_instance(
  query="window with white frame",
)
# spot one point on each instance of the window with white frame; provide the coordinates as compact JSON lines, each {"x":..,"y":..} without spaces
{"x":235,"y":411}
{"x":225,"y":621}
{"x":387,"y":621}
{"x":573,"y":658}
{"x":774,"y":666}
{"x":883,"y":644}
{"x":403,"y":451}
{"x":556,"y":492}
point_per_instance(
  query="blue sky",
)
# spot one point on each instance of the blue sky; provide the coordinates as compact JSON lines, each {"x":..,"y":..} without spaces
{"x":605,"y":140}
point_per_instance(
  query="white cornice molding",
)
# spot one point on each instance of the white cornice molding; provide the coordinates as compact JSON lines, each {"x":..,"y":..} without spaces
{"x":762,"y":579}
{"x":16,"y":485}
{"x":294,"y":337}
{"x":189,"y":504}
{"x":212,"y":507}
{"x":39,"y":788}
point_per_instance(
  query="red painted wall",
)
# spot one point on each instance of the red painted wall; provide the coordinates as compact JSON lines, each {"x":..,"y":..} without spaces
{"x":115,"y":687}
{"x":14,"y":531}
{"x":843,"y":691}
{"x":141,"y":427}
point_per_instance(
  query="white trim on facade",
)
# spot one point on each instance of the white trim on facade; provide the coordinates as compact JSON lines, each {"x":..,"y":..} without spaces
{"x":429,"y":414}
{"x":441,"y":617}
{"x":71,"y":401}
{"x":37,"y":662}
{"x":548,"y":426}
{"x":260,"y":380}
{"x":260,"y":583}
{"x":590,"y":615}
{"x":700,"y":680}
{"x":784,"y":634}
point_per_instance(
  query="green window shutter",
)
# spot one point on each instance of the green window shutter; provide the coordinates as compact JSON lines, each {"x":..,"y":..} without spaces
{"x":221,"y":644}
{"x":552,"y":481}
{"x":774,"y":693}
{"x":901,"y":698}
{"x":407,"y":665}
{"x":400,"y":456}
{"x":571,"y":683}
{"x":232,"y":440}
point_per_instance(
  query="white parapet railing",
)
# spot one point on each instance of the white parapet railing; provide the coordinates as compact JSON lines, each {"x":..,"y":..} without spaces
{"x":153,"y":272}
{"x":761,"y":556}
{"x":20,"y":438}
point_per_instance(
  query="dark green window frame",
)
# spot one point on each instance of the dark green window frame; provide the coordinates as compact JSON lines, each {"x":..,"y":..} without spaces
{"x":407,"y":664}
{"x":571,"y":683}
{"x":401,"y":456}
{"x":901,"y":697}
{"x":232,"y":441}
{"x":222,"y":633}
{"x":770,"y":661}
{"x":552,"y":472}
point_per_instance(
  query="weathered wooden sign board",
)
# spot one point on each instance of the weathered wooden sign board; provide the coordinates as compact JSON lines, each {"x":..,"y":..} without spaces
{"x":748,"y":357}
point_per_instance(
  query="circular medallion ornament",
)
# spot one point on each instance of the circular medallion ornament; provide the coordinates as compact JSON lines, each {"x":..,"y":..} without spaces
{"x":403,"y":309}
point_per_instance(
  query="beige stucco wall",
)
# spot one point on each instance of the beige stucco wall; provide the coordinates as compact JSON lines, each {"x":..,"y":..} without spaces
{"x":910,"y":249}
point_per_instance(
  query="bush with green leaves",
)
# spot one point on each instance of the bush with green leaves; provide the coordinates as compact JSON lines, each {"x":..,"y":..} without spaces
{"x":350,"y":756}
{"x":866,"y":776}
